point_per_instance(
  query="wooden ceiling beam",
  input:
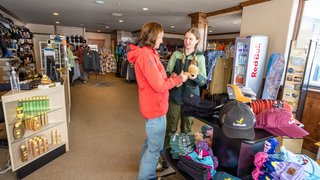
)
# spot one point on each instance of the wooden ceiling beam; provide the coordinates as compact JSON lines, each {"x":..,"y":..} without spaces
{"x":252,"y":2}
{"x":223,"y":11}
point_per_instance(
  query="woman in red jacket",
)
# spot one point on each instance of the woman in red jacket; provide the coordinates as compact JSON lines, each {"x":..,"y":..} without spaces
{"x":153,"y":94}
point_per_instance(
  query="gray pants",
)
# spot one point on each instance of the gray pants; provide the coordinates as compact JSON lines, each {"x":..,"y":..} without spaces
{"x":84,"y":74}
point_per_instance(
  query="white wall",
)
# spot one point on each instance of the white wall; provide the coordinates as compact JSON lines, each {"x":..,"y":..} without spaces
{"x":107,"y":37}
{"x":41,"y":28}
{"x":273,"y":18}
{"x":15,"y":21}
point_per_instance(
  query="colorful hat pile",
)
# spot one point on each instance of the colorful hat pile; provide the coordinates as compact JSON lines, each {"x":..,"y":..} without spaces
{"x":259,"y":105}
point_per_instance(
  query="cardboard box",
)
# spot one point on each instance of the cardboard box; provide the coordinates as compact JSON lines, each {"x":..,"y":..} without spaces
{"x":3,"y":132}
{"x":292,"y":144}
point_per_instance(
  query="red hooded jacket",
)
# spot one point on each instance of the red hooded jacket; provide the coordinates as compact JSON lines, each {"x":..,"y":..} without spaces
{"x":152,"y":80}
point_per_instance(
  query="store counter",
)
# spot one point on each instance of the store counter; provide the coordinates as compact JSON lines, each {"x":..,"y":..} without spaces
{"x":236,"y":156}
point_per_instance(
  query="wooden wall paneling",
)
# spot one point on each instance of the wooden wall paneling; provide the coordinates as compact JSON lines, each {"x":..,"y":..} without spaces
{"x":99,"y":42}
{"x":311,"y":121}
{"x":200,"y":21}
{"x":172,"y":41}
{"x":298,"y":19}
{"x":226,"y":41}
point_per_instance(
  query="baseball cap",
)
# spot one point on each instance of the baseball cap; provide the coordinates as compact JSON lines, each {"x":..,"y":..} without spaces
{"x":223,"y":175}
{"x":237,"y":120}
{"x":84,"y":41}
{"x":234,"y":92}
{"x":280,"y":122}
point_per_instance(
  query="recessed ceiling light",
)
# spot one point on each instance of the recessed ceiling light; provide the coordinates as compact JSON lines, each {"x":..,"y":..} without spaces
{"x":118,"y":4}
{"x":120,"y":20}
{"x":145,"y":9}
{"x":210,"y":31}
{"x":56,"y":14}
{"x":107,"y":26}
{"x":172,"y":26}
{"x":234,"y":22}
{"x":98,"y":30}
{"x":99,"y":2}
{"x":57,"y":22}
{"x":116,"y":14}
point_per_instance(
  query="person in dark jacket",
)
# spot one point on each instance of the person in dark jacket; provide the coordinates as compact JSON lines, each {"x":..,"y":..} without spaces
{"x":81,"y":50}
{"x":180,"y":61}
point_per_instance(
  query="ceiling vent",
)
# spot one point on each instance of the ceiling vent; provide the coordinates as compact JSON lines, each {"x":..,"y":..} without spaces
{"x":116,"y":14}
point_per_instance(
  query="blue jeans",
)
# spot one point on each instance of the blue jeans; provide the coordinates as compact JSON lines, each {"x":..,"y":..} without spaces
{"x":150,"y":152}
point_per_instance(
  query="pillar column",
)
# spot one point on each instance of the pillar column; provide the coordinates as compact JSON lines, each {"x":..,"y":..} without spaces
{"x":200,"y":21}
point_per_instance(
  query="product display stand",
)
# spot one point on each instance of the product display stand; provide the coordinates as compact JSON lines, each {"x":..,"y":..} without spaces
{"x":99,"y":77}
{"x":236,"y":156}
{"x":297,"y":76}
{"x":57,"y":120}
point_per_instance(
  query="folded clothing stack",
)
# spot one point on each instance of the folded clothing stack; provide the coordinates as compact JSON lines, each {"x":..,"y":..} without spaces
{"x":259,"y":105}
{"x":197,"y":167}
{"x":181,"y":144}
{"x":311,"y":168}
{"x":223,"y":175}
{"x":272,"y":168}
{"x":203,"y":145}
{"x":194,"y":105}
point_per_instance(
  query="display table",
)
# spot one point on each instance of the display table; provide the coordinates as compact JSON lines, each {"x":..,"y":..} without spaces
{"x":236,"y":156}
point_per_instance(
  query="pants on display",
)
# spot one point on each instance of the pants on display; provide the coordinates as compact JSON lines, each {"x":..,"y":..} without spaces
{"x":85,"y":74}
{"x":173,"y":115}
{"x":71,"y":73}
{"x":150,"y":151}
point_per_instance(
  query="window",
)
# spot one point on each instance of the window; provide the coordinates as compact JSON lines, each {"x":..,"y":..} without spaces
{"x":311,"y":21}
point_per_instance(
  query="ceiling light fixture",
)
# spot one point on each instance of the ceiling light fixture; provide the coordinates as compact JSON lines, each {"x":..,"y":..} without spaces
{"x":118,"y":4}
{"x":116,"y":14}
{"x":100,"y":2}
{"x":107,"y":27}
{"x":234,"y":22}
{"x":56,"y":14}
{"x":145,"y":9}
{"x":98,"y":30}
{"x":57,"y":22}
{"x":210,"y":31}
{"x":172,"y":26}
{"x":120,"y":20}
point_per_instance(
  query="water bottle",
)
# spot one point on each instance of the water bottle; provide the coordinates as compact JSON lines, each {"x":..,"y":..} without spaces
{"x":14,"y":81}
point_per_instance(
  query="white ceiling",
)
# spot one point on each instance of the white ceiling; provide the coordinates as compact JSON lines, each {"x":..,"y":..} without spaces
{"x":90,"y":14}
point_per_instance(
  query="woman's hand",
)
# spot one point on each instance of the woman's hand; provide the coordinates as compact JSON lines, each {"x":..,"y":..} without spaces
{"x":193,"y":76}
{"x":185,"y":77}
{"x":173,"y":75}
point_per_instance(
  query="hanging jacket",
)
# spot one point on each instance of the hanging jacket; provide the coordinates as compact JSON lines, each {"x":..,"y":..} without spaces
{"x":91,"y":61}
{"x":152,"y":81}
{"x":190,"y":86}
{"x":80,"y":52}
